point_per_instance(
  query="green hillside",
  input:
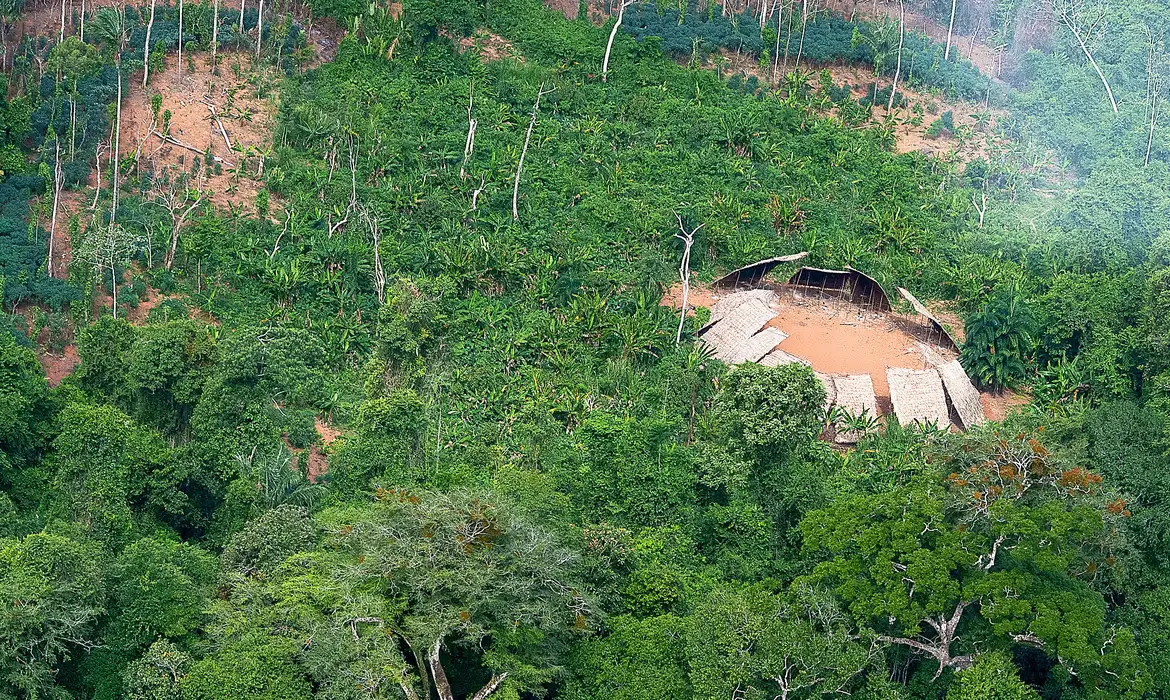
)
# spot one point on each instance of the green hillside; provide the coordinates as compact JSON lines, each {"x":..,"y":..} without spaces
{"x":355,"y":373}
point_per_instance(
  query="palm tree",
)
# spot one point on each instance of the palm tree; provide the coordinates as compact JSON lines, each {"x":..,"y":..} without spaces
{"x":113,"y":31}
{"x":278,"y":479}
{"x":998,"y":342}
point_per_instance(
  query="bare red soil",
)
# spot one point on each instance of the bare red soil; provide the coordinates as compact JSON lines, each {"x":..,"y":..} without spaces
{"x":57,"y":367}
{"x":838,"y":337}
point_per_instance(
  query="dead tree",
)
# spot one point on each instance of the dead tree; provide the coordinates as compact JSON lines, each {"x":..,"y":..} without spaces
{"x":541,"y":92}
{"x":241,"y":32}
{"x":950,"y":31}
{"x":146,"y":47}
{"x":472,"y":124}
{"x":776,"y":51}
{"x":179,"y":201}
{"x":1155,"y":83}
{"x":1084,"y":23}
{"x":901,"y":43}
{"x":803,"y":26}
{"x":259,"y":29}
{"x":613,"y":34}
{"x":214,"y":31}
{"x":57,"y":182}
{"x":179,"y":67}
{"x":117,"y":133}
{"x":981,"y":208}
{"x":684,"y":272}
{"x":379,"y":273}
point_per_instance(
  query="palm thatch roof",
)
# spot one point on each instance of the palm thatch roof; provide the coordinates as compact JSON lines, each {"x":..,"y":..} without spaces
{"x":918,"y":396}
{"x":729,"y":337}
{"x":755,"y":273}
{"x":963,"y":395}
{"x":945,"y":338}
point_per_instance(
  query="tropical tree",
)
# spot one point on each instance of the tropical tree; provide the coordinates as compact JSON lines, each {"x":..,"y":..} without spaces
{"x":51,"y":590}
{"x":1013,"y":535}
{"x":999,"y":341}
{"x":113,"y":31}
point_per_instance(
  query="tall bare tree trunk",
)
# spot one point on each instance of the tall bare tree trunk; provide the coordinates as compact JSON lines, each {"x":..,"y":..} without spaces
{"x":684,"y":272}
{"x":788,"y":36}
{"x":117,"y":133}
{"x":803,"y":25}
{"x":901,"y":43}
{"x":950,"y":31}
{"x":214,"y":31}
{"x":241,"y":17}
{"x":97,"y":169}
{"x":776,"y":51}
{"x":1068,"y":17}
{"x":56,"y":202}
{"x":146,"y":47}
{"x":179,"y":70}
{"x":612,"y":34}
{"x":472,"y":124}
{"x":62,"y":35}
{"x":114,"y":289}
{"x":1153,"y":122}
{"x":541,"y":92}
{"x":259,"y":29}
{"x":82,"y":37}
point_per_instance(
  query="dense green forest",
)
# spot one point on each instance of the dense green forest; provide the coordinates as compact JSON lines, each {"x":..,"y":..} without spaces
{"x":390,"y":406}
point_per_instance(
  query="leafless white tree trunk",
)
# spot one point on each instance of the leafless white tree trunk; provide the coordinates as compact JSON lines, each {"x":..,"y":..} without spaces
{"x":57,"y":180}
{"x":61,"y":37}
{"x":443,"y":686}
{"x":950,"y":31}
{"x":179,"y":69}
{"x":1155,"y":80}
{"x":612,"y":34}
{"x":901,"y":43}
{"x":980,"y":206}
{"x":117,"y":133}
{"x":97,"y":168}
{"x":803,"y":26}
{"x":472,"y":124}
{"x":82,"y":37}
{"x":379,"y":272}
{"x":173,"y":196}
{"x":259,"y":29}
{"x":1083,"y":24}
{"x":214,"y":31}
{"x":541,"y":92}
{"x":146,"y":48}
{"x":684,"y":272}
{"x":776,"y":51}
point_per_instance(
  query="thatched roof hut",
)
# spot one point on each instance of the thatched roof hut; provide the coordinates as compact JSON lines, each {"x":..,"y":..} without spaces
{"x":918,"y":396}
{"x":850,"y":284}
{"x":755,"y":273}
{"x":963,"y":395}
{"x":944,"y":337}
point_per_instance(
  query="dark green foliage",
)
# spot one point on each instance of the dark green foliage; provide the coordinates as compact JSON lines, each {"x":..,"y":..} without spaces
{"x":993,"y":677}
{"x":51,"y":592}
{"x":999,"y":342}
{"x":696,"y":28}
{"x":269,"y":540}
{"x":24,"y":401}
{"x":529,"y":476}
